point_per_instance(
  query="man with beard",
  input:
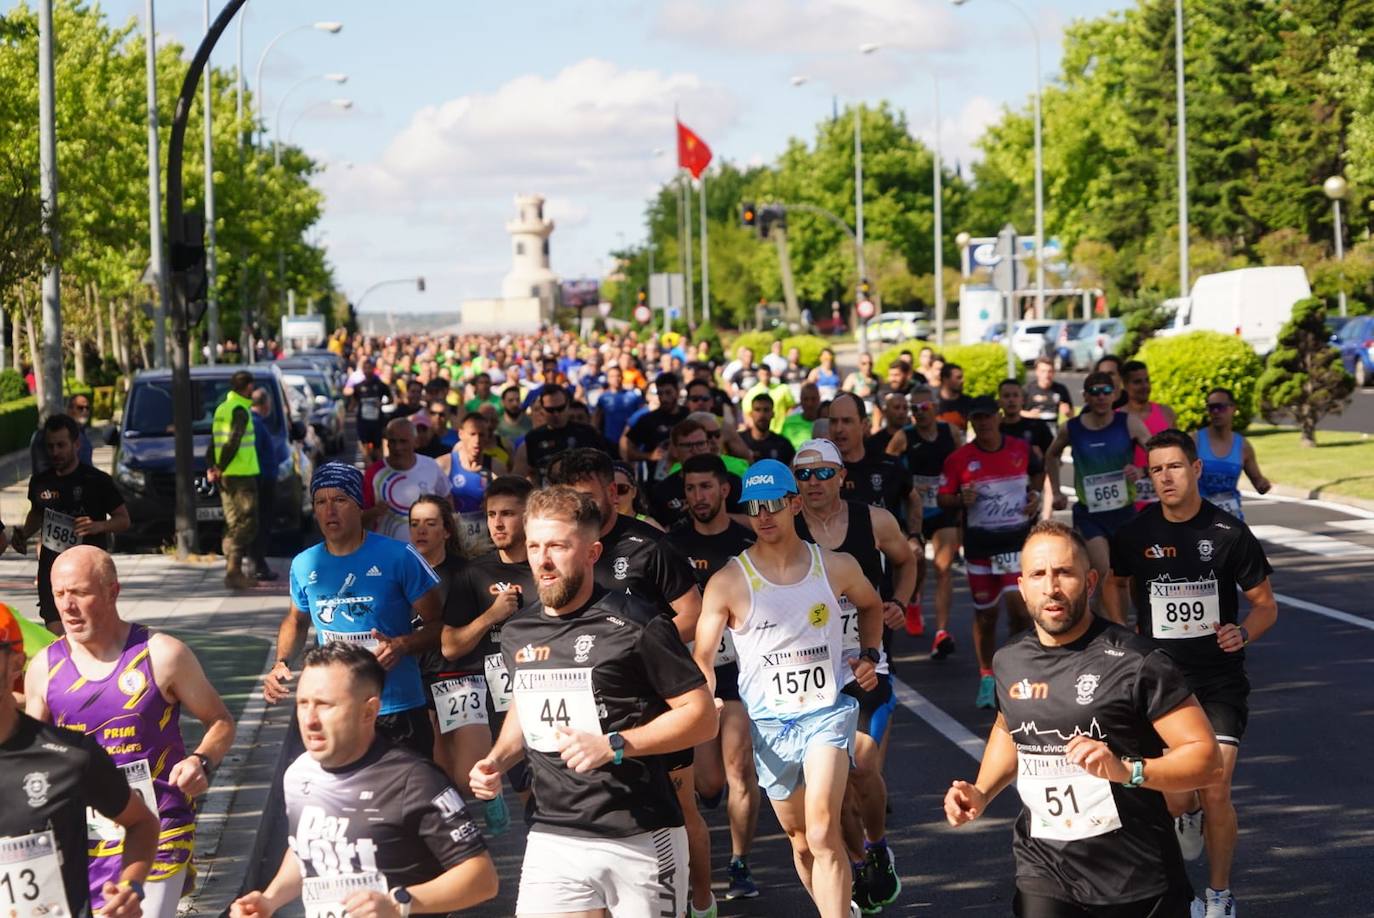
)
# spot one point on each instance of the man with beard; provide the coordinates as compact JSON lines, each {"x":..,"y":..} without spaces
{"x":871,"y":478}
{"x":709,"y":539}
{"x":644,"y":440}
{"x":698,"y":435}
{"x":513,"y":423}
{"x":1094,"y":726}
{"x":603,"y":689}
{"x":758,"y":434}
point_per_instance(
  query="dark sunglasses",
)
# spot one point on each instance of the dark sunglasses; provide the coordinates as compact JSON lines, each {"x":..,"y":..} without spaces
{"x":81,"y":407}
{"x":821,"y":474}
{"x":555,"y":409}
{"x":699,"y":398}
{"x":1101,"y":390}
{"x":621,"y":488}
{"x":756,"y":507}
{"x":1218,"y":407}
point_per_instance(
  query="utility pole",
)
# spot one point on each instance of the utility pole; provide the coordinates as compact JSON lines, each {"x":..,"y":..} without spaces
{"x":689,"y":270}
{"x":859,"y":261}
{"x":212,"y":302}
{"x":158,"y":257}
{"x":705,"y":259}
{"x":52,"y":275}
{"x":1182,"y":152}
{"x":789,"y":286}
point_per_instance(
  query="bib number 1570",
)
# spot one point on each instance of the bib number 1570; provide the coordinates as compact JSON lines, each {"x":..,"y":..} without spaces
{"x":793,"y":681}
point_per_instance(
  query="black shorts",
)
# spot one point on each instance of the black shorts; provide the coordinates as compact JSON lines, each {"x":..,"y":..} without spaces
{"x":410,"y":729}
{"x":875,"y":707}
{"x":945,"y":519}
{"x":1226,"y":701}
{"x":370,"y":432}
{"x":1172,"y":904}
{"x":727,"y":682}
{"x":1100,"y":525}
{"x":683,"y":758}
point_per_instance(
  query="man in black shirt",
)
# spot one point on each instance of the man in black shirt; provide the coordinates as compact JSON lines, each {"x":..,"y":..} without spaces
{"x":646,"y":439}
{"x":1046,"y":399}
{"x":70,"y":504}
{"x":542,"y":444}
{"x":48,"y":777}
{"x":604,"y":688}
{"x":374,"y":828}
{"x":369,"y":395}
{"x":954,"y":404}
{"x":1035,"y":432}
{"x":1093,"y":726}
{"x":698,"y":435}
{"x":895,"y":415}
{"x":759,"y":436}
{"x":1183,"y":560}
{"x":870,"y":478}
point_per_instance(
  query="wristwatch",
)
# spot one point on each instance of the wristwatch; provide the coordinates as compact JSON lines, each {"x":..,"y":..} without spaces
{"x":205,"y":765}
{"x":401,"y":896}
{"x":133,"y":885}
{"x":1137,"y":766}
{"x":871,"y":654}
{"x":1244,"y":636}
{"x":617,"y":747}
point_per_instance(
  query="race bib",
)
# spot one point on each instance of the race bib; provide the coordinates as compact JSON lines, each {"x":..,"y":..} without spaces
{"x":324,"y":897}
{"x":1008,"y":562}
{"x":1106,"y":492}
{"x":726,"y":653}
{"x":849,"y":627}
{"x":472,"y":526}
{"x":1145,"y":490}
{"x":140,"y":778}
{"x":498,"y":681}
{"x":931,"y":491}
{"x":1001,"y":504}
{"x":1065,"y":802}
{"x":369,"y":410}
{"x":1228,"y":502}
{"x":59,"y":531}
{"x":460,"y":702}
{"x":31,"y":878}
{"x":549,"y":699}
{"x":362,"y":639}
{"x":1187,"y":609}
{"x":798,"y":681}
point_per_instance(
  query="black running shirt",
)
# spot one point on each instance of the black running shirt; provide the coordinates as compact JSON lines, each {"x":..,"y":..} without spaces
{"x":1080,"y":838}
{"x":608,"y":666}
{"x":878,"y":481}
{"x":709,"y":553}
{"x":634,"y":560}
{"x":473,"y":592}
{"x":1184,"y":578}
{"x":544,"y":444}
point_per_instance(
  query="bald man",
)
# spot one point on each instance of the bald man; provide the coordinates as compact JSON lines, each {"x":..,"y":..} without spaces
{"x":394,"y":482}
{"x":124,"y":687}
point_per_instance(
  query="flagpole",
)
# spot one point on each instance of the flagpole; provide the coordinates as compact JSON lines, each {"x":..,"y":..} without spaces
{"x":691,"y":266}
{"x":682,"y":256}
{"x":705,"y":260}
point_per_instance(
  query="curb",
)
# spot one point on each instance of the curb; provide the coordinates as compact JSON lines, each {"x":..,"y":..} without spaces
{"x":1357,"y":504}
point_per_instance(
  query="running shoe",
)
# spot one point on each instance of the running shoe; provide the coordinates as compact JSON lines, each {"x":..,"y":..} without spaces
{"x":943,"y":646}
{"x":709,"y":912}
{"x":859,"y":893}
{"x":880,"y":876}
{"x":741,"y":881}
{"x":1218,"y":904}
{"x":987,"y":693}
{"x":1188,"y":828}
{"x":855,"y":911}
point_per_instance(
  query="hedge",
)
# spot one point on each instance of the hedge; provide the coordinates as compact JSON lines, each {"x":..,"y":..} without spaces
{"x":18,"y":421}
{"x":757,"y":341}
{"x":810,"y":347}
{"x":985,"y":364}
{"x":1183,"y":369}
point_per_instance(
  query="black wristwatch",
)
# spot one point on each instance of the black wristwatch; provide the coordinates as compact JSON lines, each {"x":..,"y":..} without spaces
{"x":871,"y":654}
{"x":205,"y":765}
{"x":617,"y":743}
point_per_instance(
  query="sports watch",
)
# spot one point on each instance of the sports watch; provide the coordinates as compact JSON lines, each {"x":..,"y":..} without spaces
{"x":1137,"y":766}
{"x":401,"y":896}
{"x":871,"y":654}
{"x":617,"y":743}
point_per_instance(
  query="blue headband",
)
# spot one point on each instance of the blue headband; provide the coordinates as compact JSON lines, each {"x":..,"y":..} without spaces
{"x":341,"y":476}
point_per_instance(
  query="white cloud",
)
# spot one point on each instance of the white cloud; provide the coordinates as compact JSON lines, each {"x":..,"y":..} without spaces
{"x":809,"y":26}
{"x":959,"y":131}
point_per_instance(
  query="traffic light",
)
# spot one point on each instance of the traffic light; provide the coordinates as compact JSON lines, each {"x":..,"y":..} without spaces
{"x":642,"y":297}
{"x":748,"y":216}
{"x":864,"y":288}
{"x":420,"y":284}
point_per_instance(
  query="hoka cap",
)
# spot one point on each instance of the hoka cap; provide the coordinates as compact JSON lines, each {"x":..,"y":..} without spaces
{"x":767,"y":479}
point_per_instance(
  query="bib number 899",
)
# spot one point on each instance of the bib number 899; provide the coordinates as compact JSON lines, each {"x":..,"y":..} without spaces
{"x":1184,"y":611}
{"x":795,"y":681}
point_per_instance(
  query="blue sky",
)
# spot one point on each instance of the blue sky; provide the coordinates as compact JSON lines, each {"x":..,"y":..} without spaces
{"x":459,"y":106}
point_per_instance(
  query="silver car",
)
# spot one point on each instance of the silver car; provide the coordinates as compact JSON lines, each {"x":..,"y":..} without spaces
{"x":1032,"y":339}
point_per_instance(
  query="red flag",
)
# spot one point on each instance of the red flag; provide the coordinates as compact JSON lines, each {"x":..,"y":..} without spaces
{"x":692,"y":152}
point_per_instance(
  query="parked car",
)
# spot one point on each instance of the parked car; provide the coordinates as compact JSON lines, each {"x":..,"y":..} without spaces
{"x":1356,"y":343}
{"x":145,"y":455}
{"x":1032,"y":339}
{"x":995,"y":332}
{"x":326,"y":362}
{"x":1088,"y":342}
{"x":325,"y":409}
{"x":1334,"y":324}
{"x":896,"y":327}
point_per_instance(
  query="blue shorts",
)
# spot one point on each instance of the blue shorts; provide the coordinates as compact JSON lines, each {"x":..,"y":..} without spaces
{"x":875,"y":707}
{"x":780,"y":746}
{"x":1100,"y":525}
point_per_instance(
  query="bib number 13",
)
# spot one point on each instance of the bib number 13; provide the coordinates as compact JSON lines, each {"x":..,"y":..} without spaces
{"x":20,"y":886}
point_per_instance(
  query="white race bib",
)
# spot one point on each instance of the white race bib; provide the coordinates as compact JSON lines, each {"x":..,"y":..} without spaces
{"x":1145,"y":490}
{"x":1186,"y":609}
{"x":726,"y":653}
{"x":798,"y":681}
{"x":59,"y":531}
{"x":931,"y":493}
{"x":549,"y":699}
{"x":1228,"y":502}
{"x":31,"y":878}
{"x":1065,"y":802}
{"x":369,"y":409}
{"x":460,"y":702}
{"x":1008,"y":562}
{"x":472,"y":527}
{"x":362,"y":639}
{"x":1106,"y":492}
{"x":140,"y":778}
{"x":849,"y":627}
{"x":498,"y":681}
{"x":324,"y":897}
{"x":1001,"y":504}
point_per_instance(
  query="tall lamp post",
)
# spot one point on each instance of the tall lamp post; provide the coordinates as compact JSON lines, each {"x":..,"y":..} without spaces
{"x":339,"y":78}
{"x":342,"y":105}
{"x":157,"y":254}
{"x":1336,"y":189}
{"x":1182,"y":151}
{"x":1039,"y":163}
{"x":329,"y":26}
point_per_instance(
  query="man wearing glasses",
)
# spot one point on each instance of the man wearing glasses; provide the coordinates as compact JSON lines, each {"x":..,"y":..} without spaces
{"x":79,"y":410}
{"x":1225,"y":454}
{"x":557,"y":435}
{"x":698,"y":435}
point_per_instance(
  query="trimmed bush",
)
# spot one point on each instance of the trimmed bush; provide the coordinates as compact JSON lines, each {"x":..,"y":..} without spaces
{"x":18,"y":421}
{"x":757,"y":341}
{"x":809,"y":345}
{"x":12,"y":386}
{"x":1185,"y":368}
{"x":985,"y":364}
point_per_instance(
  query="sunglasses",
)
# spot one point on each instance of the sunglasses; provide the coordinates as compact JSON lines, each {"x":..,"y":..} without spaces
{"x":622,"y":488}
{"x":756,"y":507}
{"x":698,"y":398}
{"x":1101,"y":390}
{"x":555,"y":409}
{"x":821,"y":474}
{"x":1218,"y":407}
{"x":922,"y":406}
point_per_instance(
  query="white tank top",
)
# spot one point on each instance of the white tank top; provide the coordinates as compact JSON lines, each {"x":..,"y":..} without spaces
{"x":789,"y":645}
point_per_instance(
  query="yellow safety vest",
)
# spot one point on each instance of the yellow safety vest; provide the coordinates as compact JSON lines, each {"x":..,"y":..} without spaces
{"x":245,"y":461}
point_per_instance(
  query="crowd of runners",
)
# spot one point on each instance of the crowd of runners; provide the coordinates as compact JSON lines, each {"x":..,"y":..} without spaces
{"x":619,"y":584}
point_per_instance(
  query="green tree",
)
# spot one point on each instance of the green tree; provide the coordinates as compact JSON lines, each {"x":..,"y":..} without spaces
{"x":1303,"y":378}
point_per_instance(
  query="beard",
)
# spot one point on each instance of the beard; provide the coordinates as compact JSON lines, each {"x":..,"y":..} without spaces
{"x":709,"y":514}
{"x":558,"y":594}
{"x":1077,"y":609}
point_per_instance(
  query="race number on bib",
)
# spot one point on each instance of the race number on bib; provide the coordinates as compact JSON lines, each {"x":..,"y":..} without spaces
{"x":1106,"y":492}
{"x":1228,"y":502}
{"x":550,"y":699}
{"x":324,"y":897}
{"x":726,"y":653}
{"x":930,"y":494}
{"x":363,"y":639}
{"x":369,"y":410}
{"x":1008,"y":562}
{"x":59,"y":531}
{"x":498,"y":681}
{"x":1187,"y":609}
{"x":849,"y":627}
{"x":1065,"y":802}
{"x":140,"y":778}
{"x":31,"y":878}
{"x":798,"y":681}
{"x":1145,"y":490}
{"x":472,"y":529}
{"x":460,"y":702}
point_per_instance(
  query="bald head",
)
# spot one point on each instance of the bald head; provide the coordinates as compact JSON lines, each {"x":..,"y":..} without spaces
{"x":86,"y":560}
{"x":85,"y":588}
{"x":400,"y":443}
{"x":400,"y":427}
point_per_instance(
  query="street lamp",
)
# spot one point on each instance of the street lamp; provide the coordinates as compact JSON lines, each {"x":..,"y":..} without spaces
{"x":339,"y":78}
{"x":1336,"y":188}
{"x":1182,"y":151}
{"x":333,"y":28}
{"x":1039,"y":164}
{"x":341,"y":104}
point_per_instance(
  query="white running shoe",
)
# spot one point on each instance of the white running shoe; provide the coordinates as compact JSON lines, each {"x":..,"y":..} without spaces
{"x":1218,"y":905}
{"x":1188,"y":828}
{"x":854,"y":910}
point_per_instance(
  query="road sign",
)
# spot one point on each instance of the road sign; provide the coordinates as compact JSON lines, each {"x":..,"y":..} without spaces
{"x":643,"y":315}
{"x":865,"y":309}
{"x":985,"y":255}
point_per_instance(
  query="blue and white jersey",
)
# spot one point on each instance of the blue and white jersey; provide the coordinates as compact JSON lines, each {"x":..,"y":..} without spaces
{"x":347,"y":596}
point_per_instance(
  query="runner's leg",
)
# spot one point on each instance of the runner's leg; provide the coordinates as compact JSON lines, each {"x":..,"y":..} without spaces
{"x":946,"y":550}
{"x":826,"y":769}
{"x":160,"y":897}
{"x":1219,"y":826}
{"x":791,"y":813}
{"x":709,"y":770}
{"x":698,"y":838}
{"x":743,"y":802}
{"x":867,"y":778}
{"x":1099,"y":554}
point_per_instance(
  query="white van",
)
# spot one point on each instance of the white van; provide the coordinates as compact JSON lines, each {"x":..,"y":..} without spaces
{"x":1251,"y":303}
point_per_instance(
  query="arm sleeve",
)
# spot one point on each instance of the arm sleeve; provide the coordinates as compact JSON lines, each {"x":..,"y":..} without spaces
{"x":104,"y":785}
{"x":417,"y":577}
{"x":672,"y":574}
{"x":435,"y":813}
{"x":670,"y":668}
{"x":1159,"y":686}
{"x":460,"y":607}
{"x":1251,"y":564}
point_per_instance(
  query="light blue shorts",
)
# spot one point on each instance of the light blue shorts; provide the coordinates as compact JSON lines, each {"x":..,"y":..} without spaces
{"x":780,"y":746}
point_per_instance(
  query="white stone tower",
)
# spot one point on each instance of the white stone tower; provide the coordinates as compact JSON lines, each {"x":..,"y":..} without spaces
{"x":529,"y":274}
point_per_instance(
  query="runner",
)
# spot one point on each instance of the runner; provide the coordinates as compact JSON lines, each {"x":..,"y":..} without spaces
{"x":1135,"y":378}
{"x":369,"y":394}
{"x":870,"y":477}
{"x":994,"y":480}
{"x":1183,"y":562}
{"x":698,"y":435}
{"x":125,"y":688}
{"x":50,"y":779}
{"x":1104,"y":444}
{"x":825,"y":375}
{"x":863,"y":382}
{"x":1225,"y":454}
{"x":393,"y":483}
{"x":374,"y":829}
{"x":953,"y":407}
{"x":709,"y":539}
{"x":469,"y":472}
{"x":896,"y":414}
{"x":604,"y":690}
{"x":544,"y":443}
{"x":1037,"y":433}
{"x":1045,"y":398}
{"x":362,"y":588}
{"x":780,"y":601}
{"x":645,"y":440}
{"x":871,"y":536}
{"x":758,"y":435}
{"x":1086,"y":712}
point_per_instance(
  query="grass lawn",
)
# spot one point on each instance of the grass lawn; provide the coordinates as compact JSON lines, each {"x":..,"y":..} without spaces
{"x":1342,"y":463}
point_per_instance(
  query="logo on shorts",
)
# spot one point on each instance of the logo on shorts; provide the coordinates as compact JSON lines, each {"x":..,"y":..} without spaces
{"x":621,"y":567}
{"x":1026,"y":690}
{"x":36,"y":787}
{"x":1205,"y":549}
{"x":582,"y":647}
{"x":819,"y":615}
{"x":1157,"y":552}
{"x":132,"y":682}
{"x":1086,"y":687}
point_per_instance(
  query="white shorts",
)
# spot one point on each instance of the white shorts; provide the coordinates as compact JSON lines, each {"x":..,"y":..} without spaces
{"x":640,"y":876}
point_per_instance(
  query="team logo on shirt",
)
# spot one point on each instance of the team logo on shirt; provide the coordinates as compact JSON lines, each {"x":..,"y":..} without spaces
{"x":36,"y":788}
{"x":47,"y":494}
{"x":877,"y":480}
{"x":531,"y":654}
{"x":1157,"y":552}
{"x":449,"y":804}
{"x":1205,"y":549}
{"x":314,"y":576}
{"x":819,"y":615}
{"x":1086,"y":687}
{"x":131,"y":682}
{"x":582,"y":647}
{"x":1026,"y":690}
{"x":621,"y":567}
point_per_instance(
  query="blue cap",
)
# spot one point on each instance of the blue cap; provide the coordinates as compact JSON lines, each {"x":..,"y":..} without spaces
{"x":768,"y":479}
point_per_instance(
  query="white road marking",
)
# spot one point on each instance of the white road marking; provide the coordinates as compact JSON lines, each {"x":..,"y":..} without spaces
{"x":1329,"y":612}
{"x":1347,"y":509}
{"x":946,"y":725}
{"x":1353,"y":525}
{"x":1311,"y":542}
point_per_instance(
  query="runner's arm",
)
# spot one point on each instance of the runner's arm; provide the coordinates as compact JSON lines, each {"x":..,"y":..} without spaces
{"x":509,"y":747}
{"x":1054,"y":454}
{"x":711,"y":625}
{"x":461,"y":886}
{"x":181,"y":676}
{"x":686,"y":612}
{"x":1141,"y":435}
{"x":630,"y":450}
{"x":1252,"y":470}
{"x":1192,"y":758}
{"x":284,"y":888}
{"x":460,"y":640}
{"x":893,"y":544}
{"x":36,"y":688}
{"x":426,"y":637}
{"x":1264,"y":610}
{"x":965,"y":802}
{"x":848,"y":579}
{"x":140,"y":840}
{"x":291,"y":636}
{"x":689,"y":721}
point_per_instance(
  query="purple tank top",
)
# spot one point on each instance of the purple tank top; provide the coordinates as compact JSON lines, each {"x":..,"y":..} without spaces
{"x":127,"y":715}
